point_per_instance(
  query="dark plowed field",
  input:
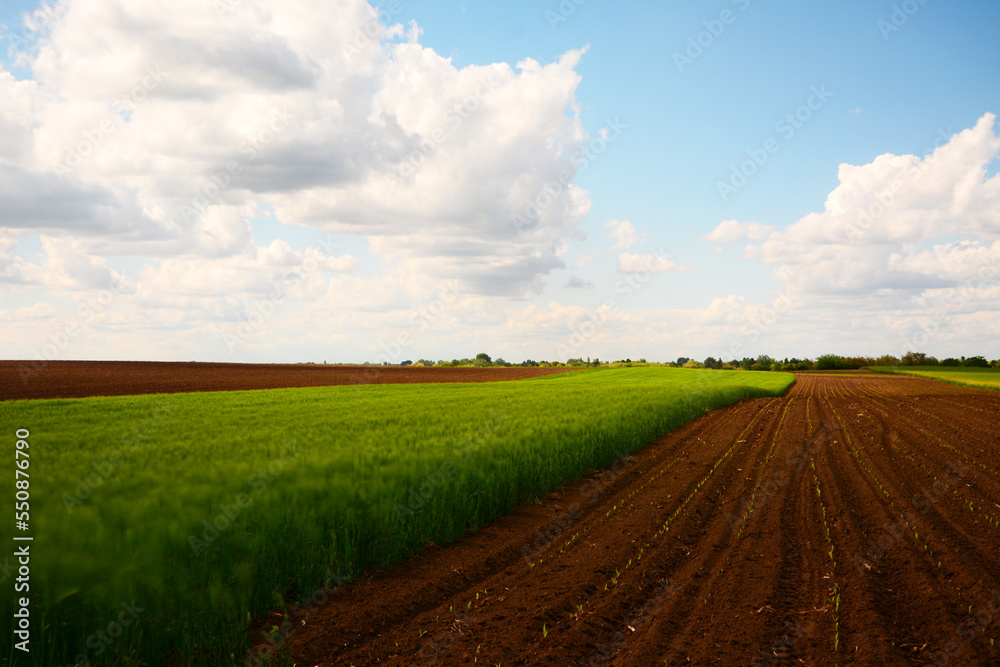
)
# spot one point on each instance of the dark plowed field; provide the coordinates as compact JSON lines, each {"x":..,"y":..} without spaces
{"x":77,"y":379}
{"x":854,"y":521}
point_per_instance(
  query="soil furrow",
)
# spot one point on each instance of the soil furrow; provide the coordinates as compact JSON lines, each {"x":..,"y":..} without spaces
{"x":776,"y":531}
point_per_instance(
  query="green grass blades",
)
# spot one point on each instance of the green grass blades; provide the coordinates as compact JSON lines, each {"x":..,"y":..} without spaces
{"x":163,"y":524}
{"x":981,"y":378}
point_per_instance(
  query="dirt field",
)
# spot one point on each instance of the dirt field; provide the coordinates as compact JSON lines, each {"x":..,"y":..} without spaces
{"x":853,"y":521}
{"x":76,"y":379}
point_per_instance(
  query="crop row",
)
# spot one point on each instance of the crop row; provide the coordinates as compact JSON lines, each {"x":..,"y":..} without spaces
{"x":209,"y":509}
{"x":946,"y":580}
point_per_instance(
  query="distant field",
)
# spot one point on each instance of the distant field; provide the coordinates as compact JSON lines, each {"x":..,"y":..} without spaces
{"x":205,"y":510}
{"x":984,"y":378}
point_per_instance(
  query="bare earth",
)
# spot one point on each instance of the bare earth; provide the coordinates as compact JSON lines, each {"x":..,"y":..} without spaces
{"x":854,"y":521}
{"x":77,"y":379}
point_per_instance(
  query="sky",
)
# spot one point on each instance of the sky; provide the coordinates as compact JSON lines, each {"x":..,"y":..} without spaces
{"x":264,"y":181}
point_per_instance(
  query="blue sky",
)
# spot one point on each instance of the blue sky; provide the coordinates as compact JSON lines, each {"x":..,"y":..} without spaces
{"x":698,"y":90}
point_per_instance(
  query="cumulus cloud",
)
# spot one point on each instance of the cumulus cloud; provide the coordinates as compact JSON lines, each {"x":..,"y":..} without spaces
{"x":891,"y":225}
{"x":623,"y":233}
{"x":13,"y":269}
{"x":720,"y":310}
{"x":68,"y":266}
{"x":905,"y":254}
{"x":729,"y":231}
{"x":649,"y":262}
{"x":153,"y":129}
{"x":576,"y":282}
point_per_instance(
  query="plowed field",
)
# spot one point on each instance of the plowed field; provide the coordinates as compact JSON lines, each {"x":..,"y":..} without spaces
{"x":854,"y":521}
{"x":79,"y":379}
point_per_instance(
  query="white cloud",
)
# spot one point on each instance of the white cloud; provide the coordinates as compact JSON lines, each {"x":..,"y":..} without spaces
{"x":720,"y":310}
{"x":37,"y":312}
{"x":623,"y":233}
{"x":69,"y":266}
{"x":729,"y":231}
{"x":151,"y":129}
{"x":874,"y":231}
{"x":13,"y":269}
{"x":651,"y":263}
{"x":905,"y":245}
{"x":576,"y":282}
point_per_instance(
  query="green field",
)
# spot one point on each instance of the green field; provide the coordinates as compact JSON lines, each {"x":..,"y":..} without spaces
{"x":187,"y":515}
{"x":982,"y":378}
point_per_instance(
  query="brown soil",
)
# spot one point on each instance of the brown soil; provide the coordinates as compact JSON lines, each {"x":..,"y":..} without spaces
{"x":854,"y":521}
{"x":76,"y":379}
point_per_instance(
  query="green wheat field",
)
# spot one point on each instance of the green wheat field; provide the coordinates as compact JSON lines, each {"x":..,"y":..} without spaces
{"x":196,"y":513}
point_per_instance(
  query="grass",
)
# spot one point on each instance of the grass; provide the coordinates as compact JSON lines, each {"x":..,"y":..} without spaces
{"x":199,"y":512}
{"x":981,"y":378}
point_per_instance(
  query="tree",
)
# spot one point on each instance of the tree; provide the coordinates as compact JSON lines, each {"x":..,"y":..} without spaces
{"x":747,"y":363}
{"x":682,"y":360}
{"x":691,"y":363}
{"x":951,"y":361}
{"x":829,"y":362}
{"x":914,"y":359}
{"x":712,"y":362}
{"x":765,"y":362}
{"x":406,"y":363}
{"x":976,"y":362}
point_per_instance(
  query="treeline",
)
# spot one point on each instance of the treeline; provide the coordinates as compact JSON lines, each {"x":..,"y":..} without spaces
{"x":761,"y":363}
{"x":831,"y":362}
{"x":483,"y":360}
